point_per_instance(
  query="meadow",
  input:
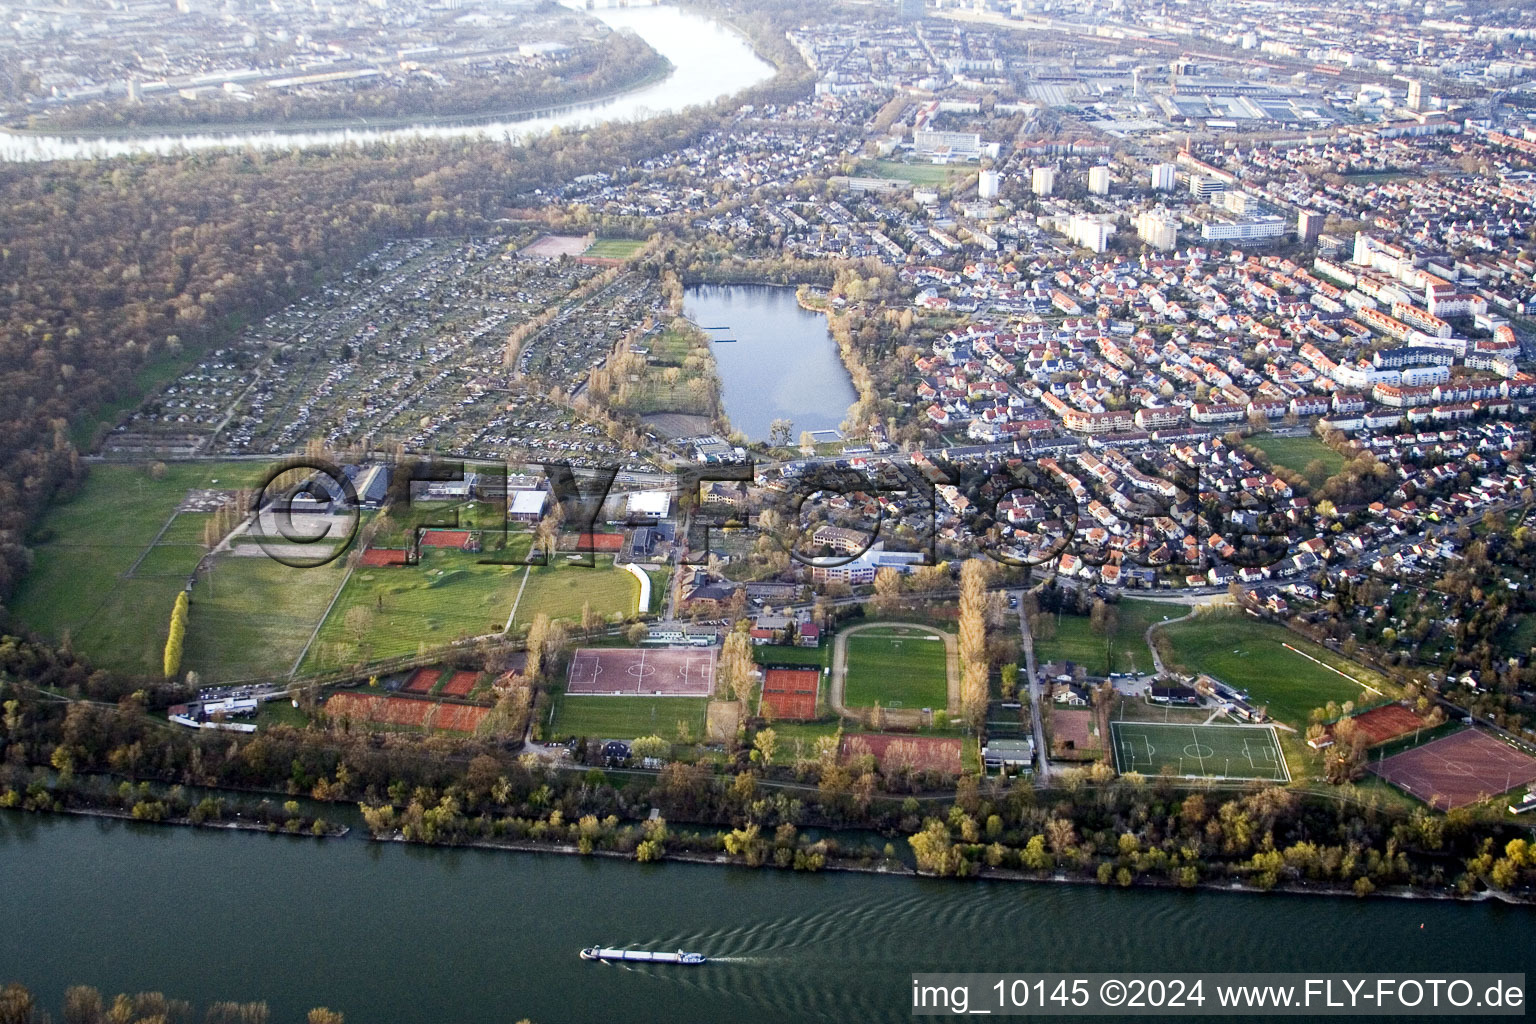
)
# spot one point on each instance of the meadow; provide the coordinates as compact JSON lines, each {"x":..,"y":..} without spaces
{"x":1123,"y":650}
{"x":1249,"y":654}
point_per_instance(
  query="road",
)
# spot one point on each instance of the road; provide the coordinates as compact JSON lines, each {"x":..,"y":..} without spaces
{"x":1037,"y":723}
{"x":1157,"y":659}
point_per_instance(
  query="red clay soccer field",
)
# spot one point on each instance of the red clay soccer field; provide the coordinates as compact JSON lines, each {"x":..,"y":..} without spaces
{"x":789,"y":694}
{"x":1386,"y":722}
{"x":1457,"y":770}
{"x":920,"y":753}
{"x":654,"y":672}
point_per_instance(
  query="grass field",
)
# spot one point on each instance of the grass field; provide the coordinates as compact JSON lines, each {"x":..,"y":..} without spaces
{"x":1202,"y":751}
{"x":251,"y":617}
{"x":783,"y":654}
{"x":614,"y":248}
{"x":85,"y":547}
{"x":1125,"y":650}
{"x":670,"y":348}
{"x":447,"y":597}
{"x":918,"y":174}
{"x":1247,"y":653}
{"x":901,"y":667}
{"x":186,"y":528}
{"x":1297,"y":453}
{"x":560,"y":590}
{"x":624,"y":718}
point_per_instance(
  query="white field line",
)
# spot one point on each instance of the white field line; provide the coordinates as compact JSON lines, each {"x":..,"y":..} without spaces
{"x":1330,"y":668}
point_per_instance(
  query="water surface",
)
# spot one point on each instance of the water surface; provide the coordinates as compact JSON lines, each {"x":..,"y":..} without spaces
{"x":396,"y":934}
{"x":782,"y":362}
{"x":709,"y":61}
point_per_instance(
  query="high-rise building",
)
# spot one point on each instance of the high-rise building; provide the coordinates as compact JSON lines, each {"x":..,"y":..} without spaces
{"x":1042,"y":181}
{"x":1164,"y":177}
{"x":987,"y":185}
{"x":1090,"y":232}
{"x":1098,"y":181}
{"x":1205,"y":189}
{"x":1415,"y":94}
{"x":1158,"y":229}
{"x":1309,"y":225}
{"x":1237,"y":201}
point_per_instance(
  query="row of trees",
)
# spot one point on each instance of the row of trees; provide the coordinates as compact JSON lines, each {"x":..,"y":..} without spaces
{"x":86,"y":1005}
{"x":1141,"y":827}
{"x":177,"y":637}
{"x":973,"y":642}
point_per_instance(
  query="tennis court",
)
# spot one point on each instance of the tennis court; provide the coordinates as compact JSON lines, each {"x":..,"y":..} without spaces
{"x":1199,"y":751}
{"x":789,"y":694}
{"x":628,"y":672}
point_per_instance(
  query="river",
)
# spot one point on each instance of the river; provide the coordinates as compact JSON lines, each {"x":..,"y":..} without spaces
{"x":709,"y":61}
{"x":398,"y":934}
{"x":782,"y":362}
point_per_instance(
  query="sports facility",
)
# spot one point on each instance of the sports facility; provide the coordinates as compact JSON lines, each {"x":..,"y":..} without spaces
{"x":445,"y":538}
{"x":1458,"y":769}
{"x":459,"y":684}
{"x":552,"y":247}
{"x":1386,"y":722}
{"x":789,"y":694}
{"x":417,"y":714}
{"x":899,"y":666}
{"x":422,"y":680}
{"x":1199,"y":751}
{"x":378,"y":558}
{"x":625,"y":672}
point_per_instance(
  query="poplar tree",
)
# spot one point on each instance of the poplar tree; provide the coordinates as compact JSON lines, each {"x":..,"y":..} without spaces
{"x":176,"y":639}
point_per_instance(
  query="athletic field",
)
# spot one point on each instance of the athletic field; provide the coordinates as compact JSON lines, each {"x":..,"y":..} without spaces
{"x":653,"y":672}
{"x":1458,"y":769}
{"x":899,"y":666}
{"x":1199,"y":751}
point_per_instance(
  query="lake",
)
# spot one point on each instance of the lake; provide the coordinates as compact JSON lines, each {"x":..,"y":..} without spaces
{"x":782,"y":364}
{"x":709,"y":61}
{"x":401,"y":934}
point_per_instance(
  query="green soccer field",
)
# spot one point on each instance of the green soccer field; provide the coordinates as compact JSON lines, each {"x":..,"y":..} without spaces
{"x":614,"y":248}
{"x":918,"y":174}
{"x":901,"y":667}
{"x":561,"y":590}
{"x":1199,"y":751}
{"x":623,"y":718}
